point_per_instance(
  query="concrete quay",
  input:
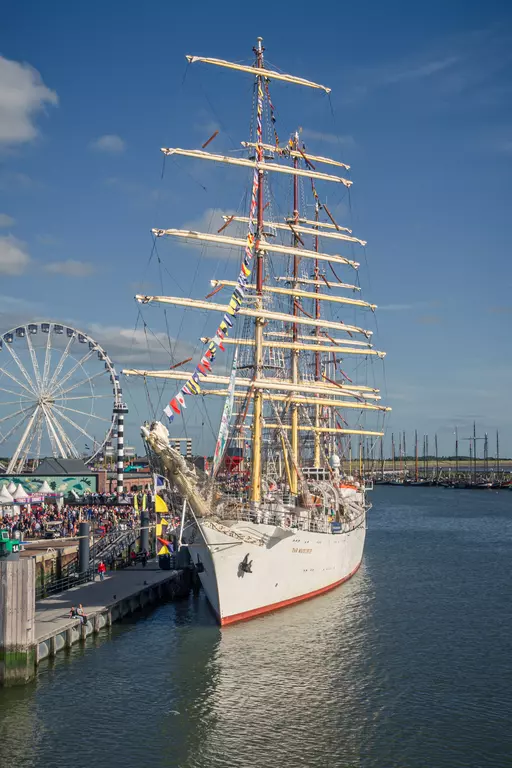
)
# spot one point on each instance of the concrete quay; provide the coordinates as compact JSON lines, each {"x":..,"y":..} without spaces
{"x":104,"y":602}
{"x":31,"y":632}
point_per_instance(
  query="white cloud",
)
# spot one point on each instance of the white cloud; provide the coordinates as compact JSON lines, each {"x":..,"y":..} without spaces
{"x":507,"y":147}
{"x":139,"y":195}
{"x":210,"y":221}
{"x":47,"y":239}
{"x":408,"y":307}
{"x":139,"y":348}
{"x":328,"y":138}
{"x":22,"y":95}
{"x":502,"y":146}
{"x":14,"y":304}
{"x":110,"y":142}
{"x":13,"y":182}
{"x":14,"y":258}
{"x":6,"y":220}
{"x":15,"y":311}
{"x":423,"y":70}
{"x":70,"y":268}
{"x":207,"y":128}
{"x":429,"y":319}
{"x":396,"y":307}
{"x":143,"y":286}
{"x":123,"y":185}
{"x":467,"y":64}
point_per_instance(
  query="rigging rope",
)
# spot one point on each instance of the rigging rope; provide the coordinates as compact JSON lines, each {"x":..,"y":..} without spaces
{"x":272,"y":113}
{"x":303,"y":484}
{"x":308,"y":419}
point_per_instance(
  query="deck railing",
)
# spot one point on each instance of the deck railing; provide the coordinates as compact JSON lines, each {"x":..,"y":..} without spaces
{"x":305,"y":520}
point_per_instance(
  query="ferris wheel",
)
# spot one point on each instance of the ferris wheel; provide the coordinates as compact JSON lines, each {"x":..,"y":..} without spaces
{"x":59,"y":394}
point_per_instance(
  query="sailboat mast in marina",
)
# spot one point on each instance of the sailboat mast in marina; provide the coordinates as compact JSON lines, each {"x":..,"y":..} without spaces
{"x":290,"y":522}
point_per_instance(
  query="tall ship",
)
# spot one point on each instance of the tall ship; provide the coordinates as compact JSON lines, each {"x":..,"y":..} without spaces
{"x":280,"y":516}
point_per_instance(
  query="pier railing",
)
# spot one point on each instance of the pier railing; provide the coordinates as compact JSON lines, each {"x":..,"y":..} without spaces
{"x":111,"y":548}
{"x":56,"y":586}
{"x":114,"y":543}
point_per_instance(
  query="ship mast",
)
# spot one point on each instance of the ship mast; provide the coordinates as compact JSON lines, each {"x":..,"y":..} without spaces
{"x":295,"y":351}
{"x":248,"y":297}
{"x":317,"y":354}
{"x":257,"y":421}
{"x":416,"y":473}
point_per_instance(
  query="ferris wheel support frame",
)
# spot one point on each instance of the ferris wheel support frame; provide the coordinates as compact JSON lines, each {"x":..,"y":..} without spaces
{"x":26,"y":433}
{"x":120,"y":409}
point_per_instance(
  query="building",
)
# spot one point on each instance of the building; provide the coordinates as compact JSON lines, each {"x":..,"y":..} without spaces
{"x":62,"y":475}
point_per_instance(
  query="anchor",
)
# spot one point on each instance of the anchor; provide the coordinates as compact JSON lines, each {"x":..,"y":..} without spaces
{"x":245,"y":566}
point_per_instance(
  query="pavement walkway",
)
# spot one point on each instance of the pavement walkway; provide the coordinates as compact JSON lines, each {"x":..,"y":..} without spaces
{"x":52,"y":613}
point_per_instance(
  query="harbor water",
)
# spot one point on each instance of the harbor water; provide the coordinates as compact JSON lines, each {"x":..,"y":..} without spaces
{"x":407,"y":665}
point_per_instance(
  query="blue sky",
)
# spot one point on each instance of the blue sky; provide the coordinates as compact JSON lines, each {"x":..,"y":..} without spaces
{"x":421,"y":101}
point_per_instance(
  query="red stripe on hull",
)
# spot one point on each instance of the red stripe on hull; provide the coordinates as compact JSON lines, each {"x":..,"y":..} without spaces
{"x":244,"y":615}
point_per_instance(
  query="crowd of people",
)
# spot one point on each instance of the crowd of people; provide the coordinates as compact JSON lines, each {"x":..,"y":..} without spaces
{"x":47,"y":520}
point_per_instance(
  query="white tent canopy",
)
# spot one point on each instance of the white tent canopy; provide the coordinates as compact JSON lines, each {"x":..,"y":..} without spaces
{"x":5,"y":496}
{"x":11,"y":487}
{"x":45,"y":488}
{"x":20,"y":494}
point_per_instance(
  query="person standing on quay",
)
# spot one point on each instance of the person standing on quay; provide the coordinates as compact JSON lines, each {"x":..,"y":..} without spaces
{"x":102,"y":569}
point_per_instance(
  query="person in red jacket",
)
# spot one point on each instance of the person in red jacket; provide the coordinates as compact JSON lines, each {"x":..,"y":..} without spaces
{"x":102,"y":570}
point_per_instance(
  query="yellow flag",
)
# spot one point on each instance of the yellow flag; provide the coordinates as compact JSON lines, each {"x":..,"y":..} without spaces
{"x":164,"y":550}
{"x":160,"y":505}
{"x":163,"y":521}
{"x":158,"y":529}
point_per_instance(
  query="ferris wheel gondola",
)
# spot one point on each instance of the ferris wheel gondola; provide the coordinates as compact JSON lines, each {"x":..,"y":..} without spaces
{"x":59,"y":391}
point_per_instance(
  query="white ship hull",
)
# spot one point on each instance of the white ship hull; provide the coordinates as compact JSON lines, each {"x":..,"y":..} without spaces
{"x":289,"y":566}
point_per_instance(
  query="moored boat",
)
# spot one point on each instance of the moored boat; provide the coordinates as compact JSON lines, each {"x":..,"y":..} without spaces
{"x":297,"y":528}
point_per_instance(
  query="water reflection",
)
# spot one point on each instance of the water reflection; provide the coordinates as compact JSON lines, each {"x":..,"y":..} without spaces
{"x":407,"y":665}
{"x":274,"y":684}
{"x":18,"y":717}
